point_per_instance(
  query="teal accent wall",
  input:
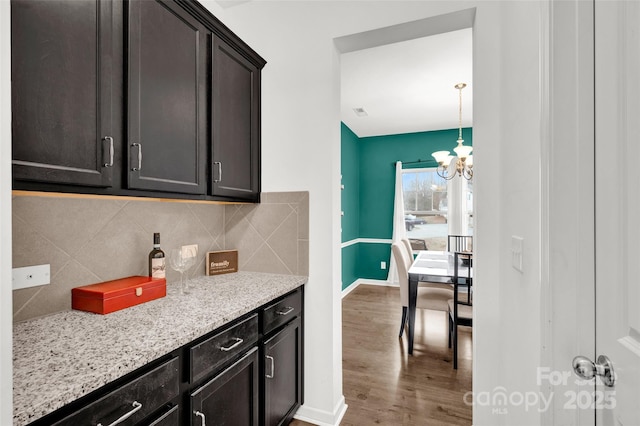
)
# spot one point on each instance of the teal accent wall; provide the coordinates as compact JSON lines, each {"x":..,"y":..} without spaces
{"x":350,"y":256}
{"x":377,"y":172}
{"x":368,"y":168}
{"x":350,"y":169}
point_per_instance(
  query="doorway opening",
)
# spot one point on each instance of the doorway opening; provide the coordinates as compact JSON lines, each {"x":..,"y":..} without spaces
{"x":373,"y":142}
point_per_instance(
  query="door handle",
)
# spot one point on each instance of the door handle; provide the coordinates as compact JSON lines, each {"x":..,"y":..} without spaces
{"x":219,"y":166}
{"x":137,"y":169}
{"x":587,"y":369}
{"x":202,"y":416}
{"x":273,"y":367}
{"x":109,"y":139}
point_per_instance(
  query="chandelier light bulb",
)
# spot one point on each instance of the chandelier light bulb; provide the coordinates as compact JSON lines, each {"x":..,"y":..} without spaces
{"x":463,"y":159}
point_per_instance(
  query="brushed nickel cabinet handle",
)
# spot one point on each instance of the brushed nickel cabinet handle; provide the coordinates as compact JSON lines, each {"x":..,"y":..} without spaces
{"x":273,"y":367}
{"x":287,"y":310}
{"x":201,"y":415}
{"x":219,"y":165}
{"x":136,"y":407}
{"x":110,"y":140}
{"x":238,"y":341}
{"x":139,"y":145}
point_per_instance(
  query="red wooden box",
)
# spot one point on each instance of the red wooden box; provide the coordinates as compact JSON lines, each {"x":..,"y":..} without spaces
{"x":110,"y":296}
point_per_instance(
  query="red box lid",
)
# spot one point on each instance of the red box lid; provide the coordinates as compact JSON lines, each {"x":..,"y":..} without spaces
{"x":117,"y":294}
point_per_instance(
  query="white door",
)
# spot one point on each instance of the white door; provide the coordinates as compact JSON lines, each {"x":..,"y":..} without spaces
{"x":617,"y":207}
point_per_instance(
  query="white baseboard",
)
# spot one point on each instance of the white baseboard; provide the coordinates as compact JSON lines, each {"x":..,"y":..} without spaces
{"x":367,"y":281}
{"x":321,"y":417}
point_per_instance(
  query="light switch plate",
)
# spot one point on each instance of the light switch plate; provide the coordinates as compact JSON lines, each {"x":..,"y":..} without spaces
{"x":516,"y":252}
{"x":31,"y":276}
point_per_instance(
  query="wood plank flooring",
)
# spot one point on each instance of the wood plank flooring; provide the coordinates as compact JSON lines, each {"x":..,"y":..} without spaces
{"x":382,"y":384}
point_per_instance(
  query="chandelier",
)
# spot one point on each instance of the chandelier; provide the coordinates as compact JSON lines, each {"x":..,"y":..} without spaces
{"x":463,"y":159}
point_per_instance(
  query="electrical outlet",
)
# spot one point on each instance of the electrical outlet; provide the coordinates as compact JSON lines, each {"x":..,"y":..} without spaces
{"x":31,"y":276}
{"x":383,"y":265}
{"x":190,"y":250}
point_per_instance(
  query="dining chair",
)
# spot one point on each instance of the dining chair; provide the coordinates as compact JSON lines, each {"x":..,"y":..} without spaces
{"x":418,"y":244}
{"x":407,"y":245}
{"x":461,"y":313}
{"x":434,"y":298}
{"x":460,"y":243}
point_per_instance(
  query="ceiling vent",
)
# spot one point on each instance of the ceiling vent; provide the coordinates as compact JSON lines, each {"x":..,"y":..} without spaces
{"x":360,"y":112}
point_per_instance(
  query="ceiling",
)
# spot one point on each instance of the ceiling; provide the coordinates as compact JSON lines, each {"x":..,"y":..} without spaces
{"x":408,"y":86}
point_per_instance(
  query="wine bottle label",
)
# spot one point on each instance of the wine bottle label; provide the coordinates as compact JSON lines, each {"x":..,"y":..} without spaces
{"x":157,"y":267}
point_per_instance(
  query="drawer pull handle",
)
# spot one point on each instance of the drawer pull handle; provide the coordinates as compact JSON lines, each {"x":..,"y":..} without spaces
{"x":285,"y":311}
{"x":273,"y":367}
{"x":201,"y":415}
{"x":236,"y":344}
{"x":136,"y":407}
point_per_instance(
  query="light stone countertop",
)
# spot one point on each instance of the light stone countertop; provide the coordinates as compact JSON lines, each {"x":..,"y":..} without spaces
{"x":62,"y":357}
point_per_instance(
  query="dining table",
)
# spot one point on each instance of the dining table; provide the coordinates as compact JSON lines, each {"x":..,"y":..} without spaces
{"x":434,"y":267}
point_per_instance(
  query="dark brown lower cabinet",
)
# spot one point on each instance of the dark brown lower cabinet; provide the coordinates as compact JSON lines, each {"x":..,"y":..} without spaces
{"x":246,"y":373}
{"x":231,"y":397}
{"x":283,"y":374}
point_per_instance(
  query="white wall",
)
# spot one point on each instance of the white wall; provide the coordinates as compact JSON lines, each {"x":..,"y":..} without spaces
{"x":301,"y":142}
{"x":6,"y":308}
{"x":300,"y":152}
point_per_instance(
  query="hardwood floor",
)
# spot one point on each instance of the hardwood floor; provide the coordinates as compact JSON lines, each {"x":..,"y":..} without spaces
{"x":383,"y":385}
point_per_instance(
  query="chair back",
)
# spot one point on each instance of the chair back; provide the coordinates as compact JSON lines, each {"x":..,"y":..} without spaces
{"x":418,"y":244}
{"x":460,"y":243}
{"x":399,"y":254}
{"x":408,"y":252}
{"x":407,"y":246}
{"x":461,"y":279}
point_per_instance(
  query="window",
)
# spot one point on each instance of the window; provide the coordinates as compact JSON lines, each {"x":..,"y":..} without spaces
{"x":425,"y":207}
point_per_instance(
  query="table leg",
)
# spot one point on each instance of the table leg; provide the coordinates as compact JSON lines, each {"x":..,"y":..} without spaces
{"x":413,"y":297}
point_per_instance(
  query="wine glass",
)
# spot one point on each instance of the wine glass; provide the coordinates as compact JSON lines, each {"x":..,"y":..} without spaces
{"x":191,"y":257}
{"x":179,"y":263}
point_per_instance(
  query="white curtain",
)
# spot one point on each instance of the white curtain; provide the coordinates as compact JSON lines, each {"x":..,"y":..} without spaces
{"x":457,"y":205}
{"x":399,"y":229}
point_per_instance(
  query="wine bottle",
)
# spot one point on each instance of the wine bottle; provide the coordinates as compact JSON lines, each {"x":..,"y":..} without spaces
{"x":156,"y":259}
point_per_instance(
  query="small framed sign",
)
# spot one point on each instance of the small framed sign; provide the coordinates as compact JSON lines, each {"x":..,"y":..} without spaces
{"x":222,"y":262}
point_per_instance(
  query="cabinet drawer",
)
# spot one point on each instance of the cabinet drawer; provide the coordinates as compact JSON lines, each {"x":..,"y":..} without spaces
{"x":169,"y":418}
{"x":140,"y":397}
{"x":282,"y":312}
{"x":211,"y":354}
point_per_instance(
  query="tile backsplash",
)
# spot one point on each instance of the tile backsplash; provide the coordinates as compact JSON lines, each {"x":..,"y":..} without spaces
{"x":89,"y":240}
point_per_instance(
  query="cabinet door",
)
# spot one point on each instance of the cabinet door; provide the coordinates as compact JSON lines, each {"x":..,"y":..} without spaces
{"x":167,"y":87}
{"x":61,"y":75}
{"x":283,"y":374}
{"x":236,"y":124}
{"x":231,"y":397}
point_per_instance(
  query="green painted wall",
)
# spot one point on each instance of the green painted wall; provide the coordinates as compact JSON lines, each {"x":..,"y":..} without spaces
{"x":377,"y":172}
{"x":375,"y":168}
{"x":350,"y":256}
{"x":350,"y":169}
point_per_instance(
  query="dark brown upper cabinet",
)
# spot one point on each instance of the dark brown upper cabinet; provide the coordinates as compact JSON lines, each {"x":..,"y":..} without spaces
{"x":236,"y":124}
{"x":167,"y":93}
{"x":153,"y":98}
{"x":61,"y":73}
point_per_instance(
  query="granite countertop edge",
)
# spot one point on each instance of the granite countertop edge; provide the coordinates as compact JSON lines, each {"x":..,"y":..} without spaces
{"x":64,"y":356}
